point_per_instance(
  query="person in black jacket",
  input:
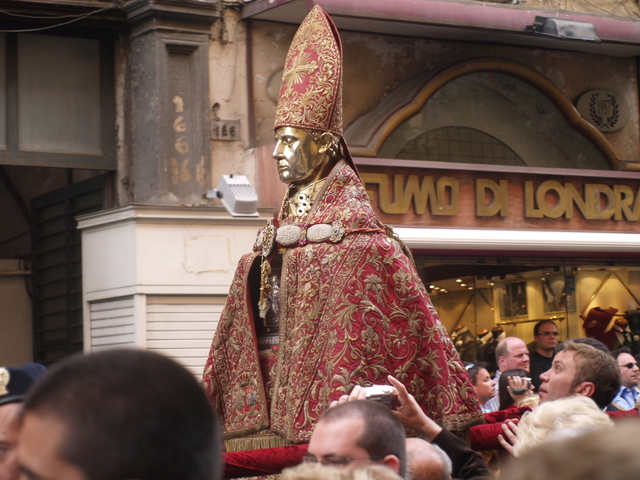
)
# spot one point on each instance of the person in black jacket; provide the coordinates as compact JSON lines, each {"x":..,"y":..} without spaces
{"x":545,"y":337}
{"x":466,"y":464}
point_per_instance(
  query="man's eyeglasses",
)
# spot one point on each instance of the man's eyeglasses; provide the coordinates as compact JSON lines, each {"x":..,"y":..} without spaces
{"x":629,"y":365}
{"x":335,"y":460}
{"x":546,"y":334}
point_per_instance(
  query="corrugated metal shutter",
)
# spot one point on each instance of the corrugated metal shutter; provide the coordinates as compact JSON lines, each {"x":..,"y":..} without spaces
{"x":112,"y":323}
{"x":182,"y":327}
{"x":57,"y":267}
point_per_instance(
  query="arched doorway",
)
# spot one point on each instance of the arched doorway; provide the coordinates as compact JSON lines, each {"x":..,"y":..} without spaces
{"x":520,"y":111}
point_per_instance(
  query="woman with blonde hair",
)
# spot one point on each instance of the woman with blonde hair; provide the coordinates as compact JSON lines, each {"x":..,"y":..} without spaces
{"x":567,"y":417}
{"x":312,"y":471}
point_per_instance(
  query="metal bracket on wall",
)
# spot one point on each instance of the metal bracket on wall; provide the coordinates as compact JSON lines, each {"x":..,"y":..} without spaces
{"x":555,"y":318}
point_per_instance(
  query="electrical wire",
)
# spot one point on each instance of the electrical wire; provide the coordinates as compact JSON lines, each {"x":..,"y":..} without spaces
{"x":45,"y":17}
{"x":2,"y":242}
{"x":74,"y":19}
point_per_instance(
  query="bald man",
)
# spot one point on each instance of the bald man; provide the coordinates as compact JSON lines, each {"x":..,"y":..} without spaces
{"x":511,"y":353}
{"x":426,"y":461}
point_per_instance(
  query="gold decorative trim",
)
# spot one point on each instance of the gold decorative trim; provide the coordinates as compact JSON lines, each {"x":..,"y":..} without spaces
{"x":523,"y":72}
{"x":255,"y":442}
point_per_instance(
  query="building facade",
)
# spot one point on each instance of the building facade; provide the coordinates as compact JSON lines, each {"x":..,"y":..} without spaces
{"x":500,"y":140}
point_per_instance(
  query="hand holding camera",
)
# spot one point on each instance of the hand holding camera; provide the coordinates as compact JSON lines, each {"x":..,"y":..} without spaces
{"x":519,"y":386}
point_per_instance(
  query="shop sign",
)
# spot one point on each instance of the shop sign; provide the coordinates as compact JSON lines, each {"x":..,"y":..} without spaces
{"x":449,"y":196}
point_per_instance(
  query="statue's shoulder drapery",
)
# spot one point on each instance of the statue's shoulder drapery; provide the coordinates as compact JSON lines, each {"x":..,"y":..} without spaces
{"x":352,"y":310}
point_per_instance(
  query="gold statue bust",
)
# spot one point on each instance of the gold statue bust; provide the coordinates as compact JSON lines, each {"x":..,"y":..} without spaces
{"x":340,"y":301}
{"x":304,"y":159}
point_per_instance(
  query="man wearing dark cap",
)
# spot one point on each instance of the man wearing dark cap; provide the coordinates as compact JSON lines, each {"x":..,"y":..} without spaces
{"x":14,"y":383}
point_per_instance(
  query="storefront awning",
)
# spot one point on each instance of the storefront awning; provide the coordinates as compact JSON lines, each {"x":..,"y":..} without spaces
{"x":471,"y":21}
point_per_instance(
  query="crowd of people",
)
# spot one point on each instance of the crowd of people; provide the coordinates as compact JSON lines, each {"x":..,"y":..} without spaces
{"x":125,"y":414}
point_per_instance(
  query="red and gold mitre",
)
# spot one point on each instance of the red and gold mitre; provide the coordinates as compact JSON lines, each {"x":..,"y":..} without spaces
{"x":311,"y":92}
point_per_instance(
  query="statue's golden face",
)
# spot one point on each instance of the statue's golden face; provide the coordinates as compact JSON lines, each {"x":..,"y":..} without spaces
{"x":298,"y":157}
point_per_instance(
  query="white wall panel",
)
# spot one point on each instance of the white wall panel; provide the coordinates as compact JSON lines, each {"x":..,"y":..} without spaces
{"x":112,"y":323}
{"x":182,"y":327}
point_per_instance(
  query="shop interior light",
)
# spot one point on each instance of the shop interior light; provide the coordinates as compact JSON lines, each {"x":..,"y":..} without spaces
{"x":459,"y":280}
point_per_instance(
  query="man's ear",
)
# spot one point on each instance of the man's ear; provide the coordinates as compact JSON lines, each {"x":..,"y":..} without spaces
{"x":325,"y":142}
{"x":392,"y":462}
{"x":586,"y":389}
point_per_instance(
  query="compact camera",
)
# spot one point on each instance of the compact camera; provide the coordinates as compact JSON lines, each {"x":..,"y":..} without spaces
{"x":380,"y":393}
{"x":525,"y":389}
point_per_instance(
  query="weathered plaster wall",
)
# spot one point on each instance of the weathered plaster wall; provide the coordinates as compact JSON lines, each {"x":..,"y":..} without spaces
{"x":270,"y":45}
{"x":229,"y":95}
{"x":623,"y":8}
{"x":376,"y":64}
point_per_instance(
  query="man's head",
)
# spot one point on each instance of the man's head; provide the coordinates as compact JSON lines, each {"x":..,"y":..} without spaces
{"x":580,"y":369}
{"x":9,"y":433}
{"x":629,"y":371}
{"x":118,"y":414}
{"x":359,"y":432}
{"x":303,"y":156}
{"x":426,"y":461}
{"x":592,"y":342}
{"x":545,"y":336}
{"x":14,"y":383}
{"x":512,"y":352}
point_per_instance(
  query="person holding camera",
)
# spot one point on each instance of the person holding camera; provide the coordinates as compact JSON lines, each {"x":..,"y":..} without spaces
{"x":579,"y":368}
{"x":514,"y":387}
{"x":466,"y":464}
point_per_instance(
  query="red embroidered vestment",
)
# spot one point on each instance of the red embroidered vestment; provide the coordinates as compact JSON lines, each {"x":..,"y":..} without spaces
{"x":351,"y":311}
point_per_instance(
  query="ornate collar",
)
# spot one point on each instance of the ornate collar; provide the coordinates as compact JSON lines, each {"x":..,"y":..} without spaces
{"x":301,"y":202}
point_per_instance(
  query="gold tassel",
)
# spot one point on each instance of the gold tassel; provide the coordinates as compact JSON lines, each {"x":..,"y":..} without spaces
{"x":265,"y":288}
{"x":255,"y":442}
{"x":403,"y":246}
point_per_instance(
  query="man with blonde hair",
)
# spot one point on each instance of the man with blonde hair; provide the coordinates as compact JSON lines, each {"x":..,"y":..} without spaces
{"x":580,"y":369}
{"x":577,"y":369}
